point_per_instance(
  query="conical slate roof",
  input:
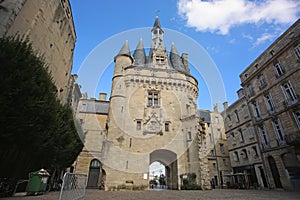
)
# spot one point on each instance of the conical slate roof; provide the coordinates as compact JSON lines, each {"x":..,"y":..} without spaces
{"x":139,"y":54}
{"x":125,"y":50}
{"x":176,"y":60}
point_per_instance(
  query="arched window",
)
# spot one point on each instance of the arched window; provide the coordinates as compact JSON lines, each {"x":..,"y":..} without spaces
{"x":95,"y":163}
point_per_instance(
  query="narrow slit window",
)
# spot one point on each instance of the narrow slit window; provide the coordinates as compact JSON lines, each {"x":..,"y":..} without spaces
{"x":167,"y":126}
{"x":138,"y":125}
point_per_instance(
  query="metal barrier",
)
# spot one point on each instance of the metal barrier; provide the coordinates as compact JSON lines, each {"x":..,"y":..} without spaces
{"x":73,"y":186}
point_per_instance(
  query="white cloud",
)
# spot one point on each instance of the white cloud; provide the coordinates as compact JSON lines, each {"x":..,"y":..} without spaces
{"x":232,"y":41}
{"x":211,"y":48}
{"x":247,"y":36}
{"x":221,"y":15}
{"x":263,"y":38}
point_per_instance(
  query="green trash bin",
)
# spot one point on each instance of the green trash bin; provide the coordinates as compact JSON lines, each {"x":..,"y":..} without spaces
{"x":37,"y":182}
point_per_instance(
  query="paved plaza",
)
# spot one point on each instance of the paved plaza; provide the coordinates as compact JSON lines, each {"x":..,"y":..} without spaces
{"x":175,"y":195}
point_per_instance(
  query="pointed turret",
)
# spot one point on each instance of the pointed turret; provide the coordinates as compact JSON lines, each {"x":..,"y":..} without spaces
{"x":123,"y":59}
{"x":125,"y":50}
{"x":176,"y":60}
{"x":139,"y":54}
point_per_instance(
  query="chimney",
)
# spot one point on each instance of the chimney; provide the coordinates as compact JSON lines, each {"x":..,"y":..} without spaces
{"x":225,"y":105}
{"x":75,"y":76}
{"x":241,"y":93}
{"x":84,"y":95}
{"x":216,"y":108}
{"x":102,"y":96}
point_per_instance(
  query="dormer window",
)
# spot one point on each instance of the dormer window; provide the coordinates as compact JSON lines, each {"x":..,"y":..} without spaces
{"x":160,"y":60}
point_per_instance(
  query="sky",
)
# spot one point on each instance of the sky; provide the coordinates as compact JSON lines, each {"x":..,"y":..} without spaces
{"x":228,"y":35}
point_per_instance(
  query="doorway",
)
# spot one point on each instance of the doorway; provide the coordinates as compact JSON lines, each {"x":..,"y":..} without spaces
{"x":94,"y":172}
{"x":263,"y":176}
{"x":275,"y":172}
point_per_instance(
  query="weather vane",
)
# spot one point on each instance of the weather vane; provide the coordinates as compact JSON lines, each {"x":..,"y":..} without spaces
{"x":157,"y":11}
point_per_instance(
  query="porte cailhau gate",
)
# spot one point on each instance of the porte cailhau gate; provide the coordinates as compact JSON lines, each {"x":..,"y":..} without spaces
{"x":151,"y":116}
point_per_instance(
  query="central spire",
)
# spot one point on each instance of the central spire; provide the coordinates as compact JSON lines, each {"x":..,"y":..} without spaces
{"x":158,"y":53}
{"x":157,"y":35}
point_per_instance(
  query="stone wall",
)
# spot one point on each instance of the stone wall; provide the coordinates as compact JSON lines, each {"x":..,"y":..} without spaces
{"x":49,"y":27}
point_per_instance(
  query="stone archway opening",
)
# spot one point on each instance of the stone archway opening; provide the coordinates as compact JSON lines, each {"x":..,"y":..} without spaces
{"x":157,"y":175}
{"x":168,"y":159}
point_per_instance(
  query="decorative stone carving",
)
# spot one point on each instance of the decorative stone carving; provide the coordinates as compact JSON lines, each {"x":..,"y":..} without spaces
{"x":153,"y":123}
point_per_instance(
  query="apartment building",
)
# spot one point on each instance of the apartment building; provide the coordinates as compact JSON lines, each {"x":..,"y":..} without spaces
{"x":263,"y":125}
{"x":272,"y":89}
{"x":245,"y":156}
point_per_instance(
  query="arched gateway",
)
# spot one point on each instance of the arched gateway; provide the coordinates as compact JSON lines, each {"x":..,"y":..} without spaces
{"x":169,"y":160}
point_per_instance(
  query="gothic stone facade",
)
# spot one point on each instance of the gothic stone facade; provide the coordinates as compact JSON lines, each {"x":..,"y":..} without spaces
{"x":152,"y":116}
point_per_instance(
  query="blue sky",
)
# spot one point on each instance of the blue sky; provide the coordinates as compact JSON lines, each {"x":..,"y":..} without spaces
{"x":233,"y":33}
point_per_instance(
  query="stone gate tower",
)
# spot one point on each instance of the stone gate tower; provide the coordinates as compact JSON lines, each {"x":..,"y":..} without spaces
{"x":152,"y":116}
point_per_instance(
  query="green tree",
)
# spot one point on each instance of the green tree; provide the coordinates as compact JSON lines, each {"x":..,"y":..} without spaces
{"x":36,"y":130}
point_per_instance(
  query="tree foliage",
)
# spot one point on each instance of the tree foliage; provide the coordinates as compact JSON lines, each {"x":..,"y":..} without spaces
{"x":37,"y":131}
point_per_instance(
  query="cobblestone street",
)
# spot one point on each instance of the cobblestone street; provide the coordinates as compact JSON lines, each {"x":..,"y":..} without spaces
{"x":176,"y":195}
